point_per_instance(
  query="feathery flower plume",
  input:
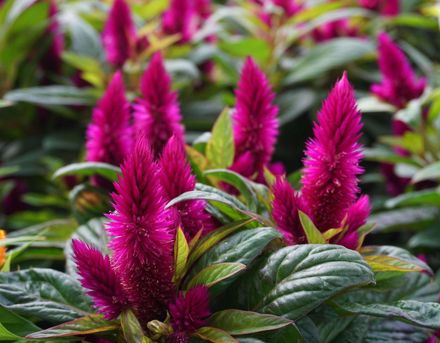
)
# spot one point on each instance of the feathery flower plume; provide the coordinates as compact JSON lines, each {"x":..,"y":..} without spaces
{"x":157,"y":115}
{"x":189,"y":312}
{"x":179,"y":19}
{"x":142,"y":233}
{"x":109,"y":134}
{"x":384,"y":7}
{"x":285,"y":208}
{"x":255,"y":121}
{"x":98,"y":277}
{"x":191,"y":214}
{"x":330,"y":181}
{"x":357,"y":216}
{"x":119,"y":35}
{"x":399,"y":84}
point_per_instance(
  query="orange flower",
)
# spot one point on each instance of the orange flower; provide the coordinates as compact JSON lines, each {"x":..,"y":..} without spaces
{"x":2,"y":249}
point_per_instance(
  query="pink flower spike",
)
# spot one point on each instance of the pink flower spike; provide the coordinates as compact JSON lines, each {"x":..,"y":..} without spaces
{"x":98,"y":277}
{"x":142,"y":234}
{"x":329,"y":180}
{"x":399,"y":83}
{"x":119,"y":35}
{"x":255,"y":121}
{"x":191,"y":214}
{"x":357,"y":216}
{"x":285,"y":208}
{"x":109,"y":134}
{"x":189,"y":312}
{"x":180,"y":19}
{"x":157,"y":115}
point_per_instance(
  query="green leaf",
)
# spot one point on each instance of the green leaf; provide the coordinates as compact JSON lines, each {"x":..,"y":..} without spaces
{"x":220,"y":147}
{"x":6,"y":335}
{"x":215,"y":273}
{"x":238,"y":322}
{"x":387,"y":331}
{"x":387,"y":258}
{"x":14,"y":324}
{"x":106,"y":170}
{"x":426,"y":315}
{"x":327,"y":56}
{"x":214,"y":335}
{"x":404,"y":218}
{"x":374,"y":104}
{"x":241,"y":48}
{"x":52,"y":95}
{"x":238,"y":181}
{"x":82,"y":326}
{"x":429,"y":238}
{"x":423,"y":197}
{"x":297,"y":279}
{"x":212,"y":238}
{"x":131,"y":327}
{"x":314,"y":236}
{"x":381,"y":154}
{"x":181,"y":252}
{"x":241,"y":247}
{"x":431,"y":172}
{"x":44,"y":294}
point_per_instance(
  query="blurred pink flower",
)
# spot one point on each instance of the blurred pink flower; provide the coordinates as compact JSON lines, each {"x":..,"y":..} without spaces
{"x":157,"y":114}
{"x":109,"y":134}
{"x":180,"y":18}
{"x":255,"y":122}
{"x":335,"y":29}
{"x":399,"y":83}
{"x":119,"y":36}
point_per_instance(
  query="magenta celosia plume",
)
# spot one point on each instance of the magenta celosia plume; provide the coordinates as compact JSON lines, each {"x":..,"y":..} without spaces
{"x":157,"y":114}
{"x":142,"y":235}
{"x":384,"y":7}
{"x":399,"y":83}
{"x":285,"y":207}
{"x":290,"y":7}
{"x":100,"y":280}
{"x":179,"y":19}
{"x":176,"y":179}
{"x":119,"y":36}
{"x":189,"y":312}
{"x":109,"y":134}
{"x":330,"y":181}
{"x":255,"y":122}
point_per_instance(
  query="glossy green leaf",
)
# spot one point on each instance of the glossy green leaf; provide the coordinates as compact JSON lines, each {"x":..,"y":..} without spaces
{"x":215,"y":273}
{"x":314,"y":236}
{"x":52,"y":95}
{"x":131,"y":327}
{"x":44,"y":294}
{"x":426,"y":197}
{"x":181,"y":252}
{"x":220,"y":147}
{"x":13,"y":324}
{"x":106,"y":170}
{"x":297,"y":279}
{"x":214,"y":335}
{"x":82,"y":326}
{"x":238,"y":322}
{"x":417,"y":313}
